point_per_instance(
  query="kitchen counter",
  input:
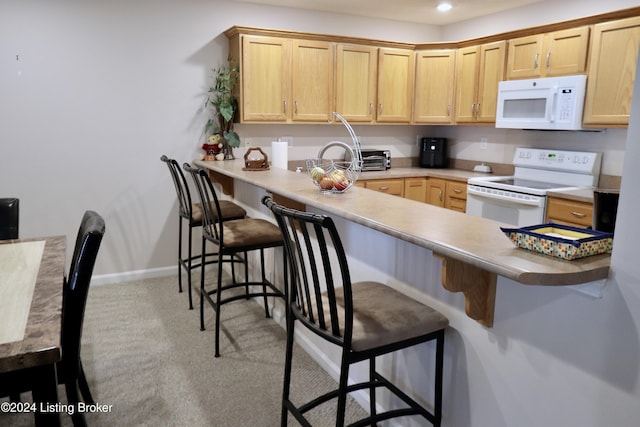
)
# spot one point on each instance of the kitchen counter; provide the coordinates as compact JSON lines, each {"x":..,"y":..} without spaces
{"x":474,"y":250}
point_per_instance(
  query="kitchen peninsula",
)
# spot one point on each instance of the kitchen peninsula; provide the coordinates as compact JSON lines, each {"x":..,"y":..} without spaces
{"x":473,"y":250}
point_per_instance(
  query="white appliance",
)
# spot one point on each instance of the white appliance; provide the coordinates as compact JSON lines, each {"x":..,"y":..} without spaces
{"x":521,"y":199}
{"x":551,"y":103}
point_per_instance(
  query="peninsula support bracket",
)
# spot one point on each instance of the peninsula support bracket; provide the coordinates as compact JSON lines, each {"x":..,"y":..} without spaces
{"x":478,"y":286}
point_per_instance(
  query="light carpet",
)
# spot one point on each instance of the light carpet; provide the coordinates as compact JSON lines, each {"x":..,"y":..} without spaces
{"x":145,"y":357}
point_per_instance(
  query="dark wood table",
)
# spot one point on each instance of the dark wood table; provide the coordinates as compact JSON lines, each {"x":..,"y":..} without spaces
{"x":32,"y":341}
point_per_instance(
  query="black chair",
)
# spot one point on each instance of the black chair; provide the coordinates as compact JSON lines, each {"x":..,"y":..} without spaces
{"x":365,"y":319}
{"x":191,"y":213}
{"x":9,"y":218}
{"x":76,"y":288}
{"x":232,"y":238}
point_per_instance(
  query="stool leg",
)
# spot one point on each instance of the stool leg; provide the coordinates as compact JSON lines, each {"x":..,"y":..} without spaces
{"x":437,"y":405}
{"x":202,"y":289}
{"x":189,"y":266}
{"x":179,"y":253}
{"x":287,"y":365}
{"x":246,"y":274}
{"x":264,"y":286}
{"x":372,"y":389}
{"x":218,"y":307}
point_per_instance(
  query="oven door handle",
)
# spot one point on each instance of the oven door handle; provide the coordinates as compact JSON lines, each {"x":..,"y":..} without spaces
{"x":526,"y":200}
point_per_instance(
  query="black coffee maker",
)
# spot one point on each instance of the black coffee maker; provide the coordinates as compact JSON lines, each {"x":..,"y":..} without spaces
{"x":433,"y":153}
{"x":605,"y":209}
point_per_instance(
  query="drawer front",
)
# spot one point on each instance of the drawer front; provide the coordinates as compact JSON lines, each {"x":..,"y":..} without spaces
{"x":389,"y":186}
{"x":569,"y":212}
{"x":457,"y":190}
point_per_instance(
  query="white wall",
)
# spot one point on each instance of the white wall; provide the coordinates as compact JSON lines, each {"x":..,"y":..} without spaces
{"x":93,"y":92}
{"x":102,"y":88}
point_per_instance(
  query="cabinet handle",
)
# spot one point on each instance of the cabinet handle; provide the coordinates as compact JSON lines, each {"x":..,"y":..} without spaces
{"x":284,"y":105}
{"x":473,"y":110}
{"x":457,"y":190}
{"x":440,"y":196}
{"x":548,"y":59}
{"x":295,"y":105}
{"x":380,"y":108}
{"x":449,"y":110}
{"x":535,"y":60}
{"x":578,"y":214}
{"x":371,"y":108}
{"x":383,"y":188}
{"x":477,"y":110}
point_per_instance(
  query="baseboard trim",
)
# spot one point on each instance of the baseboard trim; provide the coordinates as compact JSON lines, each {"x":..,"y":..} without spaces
{"x":130,"y":276}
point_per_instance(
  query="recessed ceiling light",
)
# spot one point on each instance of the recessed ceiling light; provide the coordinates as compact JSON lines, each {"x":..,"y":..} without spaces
{"x":443,"y":7}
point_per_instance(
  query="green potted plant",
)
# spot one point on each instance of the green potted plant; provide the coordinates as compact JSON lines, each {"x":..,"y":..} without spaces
{"x":223,"y":105}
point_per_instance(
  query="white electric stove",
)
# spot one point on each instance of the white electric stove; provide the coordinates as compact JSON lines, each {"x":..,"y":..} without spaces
{"x":521,"y":199}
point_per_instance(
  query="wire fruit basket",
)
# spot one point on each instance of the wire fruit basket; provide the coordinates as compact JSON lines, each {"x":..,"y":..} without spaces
{"x":331,"y":176}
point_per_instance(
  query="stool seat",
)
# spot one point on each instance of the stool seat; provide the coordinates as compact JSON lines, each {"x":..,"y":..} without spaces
{"x":229,"y":211}
{"x":384,"y":316}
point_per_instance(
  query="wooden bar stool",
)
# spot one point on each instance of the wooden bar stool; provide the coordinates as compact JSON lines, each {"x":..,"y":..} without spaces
{"x":365,"y":319}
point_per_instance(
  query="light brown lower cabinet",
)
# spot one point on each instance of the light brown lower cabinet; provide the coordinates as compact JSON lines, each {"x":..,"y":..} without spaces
{"x":569,"y":212}
{"x":415,"y":189}
{"x":446,"y":193}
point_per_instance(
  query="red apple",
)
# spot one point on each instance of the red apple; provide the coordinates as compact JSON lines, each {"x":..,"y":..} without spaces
{"x":325,"y":183}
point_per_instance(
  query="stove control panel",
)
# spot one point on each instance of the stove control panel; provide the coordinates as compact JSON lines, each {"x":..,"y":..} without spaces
{"x":581,"y":162}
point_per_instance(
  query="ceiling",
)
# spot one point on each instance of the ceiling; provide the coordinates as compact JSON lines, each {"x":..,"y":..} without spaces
{"x":418,"y":11}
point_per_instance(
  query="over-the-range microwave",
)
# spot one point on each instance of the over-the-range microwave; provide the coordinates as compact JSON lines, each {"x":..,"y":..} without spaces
{"x":550,"y":103}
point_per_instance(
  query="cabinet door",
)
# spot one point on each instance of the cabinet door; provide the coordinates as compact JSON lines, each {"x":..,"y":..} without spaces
{"x":312,"y":80}
{"x":614,"y":53}
{"x":415,"y":189}
{"x":436,"y":188}
{"x":356,"y":82}
{"x":523,"y":59}
{"x":569,"y":212}
{"x":265,"y":79}
{"x":395,"y":85}
{"x":492,"y":71}
{"x":435,"y":71}
{"x":467,"y":61}
{"x":456,"y":196}
{"x":565,"y":52}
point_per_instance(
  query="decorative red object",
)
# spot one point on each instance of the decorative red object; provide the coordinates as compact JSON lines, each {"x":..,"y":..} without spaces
{"x":211,"y":150}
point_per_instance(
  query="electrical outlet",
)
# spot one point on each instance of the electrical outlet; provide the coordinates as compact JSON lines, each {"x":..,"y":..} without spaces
{"x":483,"y":143}
{"x":247,"y":142}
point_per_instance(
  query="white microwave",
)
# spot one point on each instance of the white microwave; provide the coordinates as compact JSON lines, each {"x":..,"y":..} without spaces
{"x":550,"y":103}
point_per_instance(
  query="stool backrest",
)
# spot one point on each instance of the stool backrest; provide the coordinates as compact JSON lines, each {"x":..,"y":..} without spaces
{"x":182,"y":189}
{"x":9,"y":218}
{"x":211,"y":212}
{"x":320,"y":283}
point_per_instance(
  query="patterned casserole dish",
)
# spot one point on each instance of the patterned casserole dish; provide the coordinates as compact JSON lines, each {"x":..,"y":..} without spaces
{"x":560,"y":241}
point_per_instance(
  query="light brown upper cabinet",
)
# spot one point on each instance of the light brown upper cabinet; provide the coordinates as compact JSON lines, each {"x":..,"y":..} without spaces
{"x":312,"y":81}
{"x":558,"y":53}
{"x":395,"y":85}
{"x":286,"y":80}
{"x":479,"y":69}
{"x":614,"y":53}
{"x":265,"y":79}
{"x":434,"y":86}
{"x":356,"y":72}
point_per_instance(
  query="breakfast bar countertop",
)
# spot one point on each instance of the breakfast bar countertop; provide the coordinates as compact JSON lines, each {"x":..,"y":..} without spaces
{"x":473,"y":241}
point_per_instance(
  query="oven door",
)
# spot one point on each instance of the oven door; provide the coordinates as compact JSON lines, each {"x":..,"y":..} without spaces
{"x":505,"y":206}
